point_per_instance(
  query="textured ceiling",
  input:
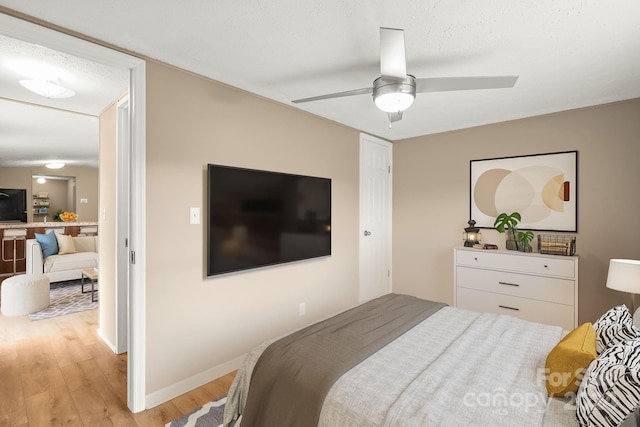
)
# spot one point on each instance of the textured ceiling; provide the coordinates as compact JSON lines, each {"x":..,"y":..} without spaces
{"x":35,"y":130}
{"x":568,"y":54}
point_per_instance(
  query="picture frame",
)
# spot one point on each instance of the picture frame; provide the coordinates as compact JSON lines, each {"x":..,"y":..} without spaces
{"x":541,"y":187}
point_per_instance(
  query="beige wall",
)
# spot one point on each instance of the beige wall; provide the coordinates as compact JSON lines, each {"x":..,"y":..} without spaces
{"x":431,"y":196}
{"x":86,"y":187}
{"x":196,"y":325}
{"x":107,"y":224}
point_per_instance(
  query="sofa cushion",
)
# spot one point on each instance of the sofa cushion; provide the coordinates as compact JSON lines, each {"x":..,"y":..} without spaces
{"x":85,"y":244}
{"x":48,"y":243}
{"x":77,"y":261}
{"x":65,"y":244}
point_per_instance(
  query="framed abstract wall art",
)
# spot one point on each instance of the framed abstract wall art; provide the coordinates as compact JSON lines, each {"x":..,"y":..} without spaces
{"x":541,"y":187}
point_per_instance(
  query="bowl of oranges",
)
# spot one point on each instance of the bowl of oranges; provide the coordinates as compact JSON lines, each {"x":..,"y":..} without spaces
{"x":68,"y":216}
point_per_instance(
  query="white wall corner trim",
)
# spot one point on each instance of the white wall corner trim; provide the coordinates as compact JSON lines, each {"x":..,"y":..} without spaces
{"x":106,"y":341}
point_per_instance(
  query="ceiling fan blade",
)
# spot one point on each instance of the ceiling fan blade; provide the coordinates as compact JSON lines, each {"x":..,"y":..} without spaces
{"x":392,"y":55}
{"x":441,"y":84}
{"x":363,"y":91}
{"x":395,"y":117}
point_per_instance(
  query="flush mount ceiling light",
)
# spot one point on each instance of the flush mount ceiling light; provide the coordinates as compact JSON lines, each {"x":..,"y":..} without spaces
{"x":55,"y":165}
{"x":47,"y":88}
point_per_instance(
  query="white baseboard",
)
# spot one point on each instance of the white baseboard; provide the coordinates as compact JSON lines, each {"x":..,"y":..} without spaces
{"x":188,"y":384}
{"x":106,"y":341}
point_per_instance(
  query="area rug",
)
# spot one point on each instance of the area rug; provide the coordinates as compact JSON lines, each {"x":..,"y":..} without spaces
{"x":209,"y":415}
{"x":66,"y":298}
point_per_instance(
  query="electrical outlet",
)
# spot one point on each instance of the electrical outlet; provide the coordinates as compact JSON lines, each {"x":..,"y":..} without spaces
{"x":302,"y":309}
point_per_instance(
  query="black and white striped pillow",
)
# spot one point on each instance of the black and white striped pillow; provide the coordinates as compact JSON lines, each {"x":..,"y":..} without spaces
{"x":610,"y":389}
{"x":613,"y":327}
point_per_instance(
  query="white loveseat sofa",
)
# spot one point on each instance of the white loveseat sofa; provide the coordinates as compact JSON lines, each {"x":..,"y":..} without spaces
{"x":63,"y":267}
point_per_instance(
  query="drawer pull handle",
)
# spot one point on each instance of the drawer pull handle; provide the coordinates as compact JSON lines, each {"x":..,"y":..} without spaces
{"x":509,"y":308}
{"x":508,"y":284}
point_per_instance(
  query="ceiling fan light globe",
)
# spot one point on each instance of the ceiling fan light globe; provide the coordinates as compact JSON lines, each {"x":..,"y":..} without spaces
{"x":394,"y":102}
{"x":392,"y":95}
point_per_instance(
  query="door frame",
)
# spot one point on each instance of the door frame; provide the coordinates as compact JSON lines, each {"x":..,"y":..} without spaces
{"x":31,"y":32}
{"x":364,"y":139}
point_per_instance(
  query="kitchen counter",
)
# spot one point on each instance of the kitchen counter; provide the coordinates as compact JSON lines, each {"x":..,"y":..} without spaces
{"x":13,"y":236}
{"x":50,"y":224}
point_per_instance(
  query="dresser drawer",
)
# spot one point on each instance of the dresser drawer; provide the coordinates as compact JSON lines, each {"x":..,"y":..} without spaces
{"x":561,"y":291}
{"x":521,"y":263}
{"x":523,"y":308}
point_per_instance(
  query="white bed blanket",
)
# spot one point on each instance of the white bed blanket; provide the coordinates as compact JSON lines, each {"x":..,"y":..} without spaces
{"x":455,"y":368}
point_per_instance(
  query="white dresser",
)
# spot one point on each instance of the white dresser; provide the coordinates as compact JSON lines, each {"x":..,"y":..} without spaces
{"x":536,"y":287}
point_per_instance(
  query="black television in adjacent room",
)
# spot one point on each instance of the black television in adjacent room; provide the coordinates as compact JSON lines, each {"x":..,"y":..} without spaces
{"x":260,"y":218}
{"x":13,"y":205}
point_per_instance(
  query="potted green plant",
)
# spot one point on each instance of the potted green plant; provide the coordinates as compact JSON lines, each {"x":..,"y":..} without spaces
{"x":505,"y":223}
{"x":525,"y":237}
{"x":56,"y":216}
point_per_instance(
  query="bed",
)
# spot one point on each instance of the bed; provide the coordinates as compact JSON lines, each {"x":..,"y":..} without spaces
{"x":455,"y":367}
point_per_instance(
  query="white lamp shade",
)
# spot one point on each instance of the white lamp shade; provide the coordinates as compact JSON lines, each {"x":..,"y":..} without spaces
{"x":624,"y":275}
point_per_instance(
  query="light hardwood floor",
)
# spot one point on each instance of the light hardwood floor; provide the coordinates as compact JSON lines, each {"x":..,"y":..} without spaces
{"x":57,"y":371}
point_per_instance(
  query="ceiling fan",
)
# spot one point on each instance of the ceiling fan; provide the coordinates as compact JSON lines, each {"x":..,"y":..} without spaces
{"x":394,"y":91}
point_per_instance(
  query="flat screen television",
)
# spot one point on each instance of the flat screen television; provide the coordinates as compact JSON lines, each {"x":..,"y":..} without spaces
{"x":13,"y":205}
{"x":260,"y":218}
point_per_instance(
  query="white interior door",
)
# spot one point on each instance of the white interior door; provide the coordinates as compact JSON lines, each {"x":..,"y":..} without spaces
{"x":122,"y":225}
{"x":375,"y":217}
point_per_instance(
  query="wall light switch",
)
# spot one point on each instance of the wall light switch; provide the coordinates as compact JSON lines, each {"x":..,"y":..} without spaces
{"x":194,"y":215}
{"x":84,"y":201}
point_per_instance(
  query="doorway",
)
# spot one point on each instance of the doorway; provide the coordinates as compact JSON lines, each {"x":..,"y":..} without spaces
{"x":133,"y":220}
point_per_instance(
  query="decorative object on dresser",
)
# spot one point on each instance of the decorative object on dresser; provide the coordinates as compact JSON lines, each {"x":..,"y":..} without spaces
{"x":555,"y":244}
{"x":471,"y":235}
{"x":542,"y":187}
{"x":505,"y":223}
{"x":485,"y":246}
{"x":525,"y":237}
{"x":535,"y":287}
{"x":624,"y":275}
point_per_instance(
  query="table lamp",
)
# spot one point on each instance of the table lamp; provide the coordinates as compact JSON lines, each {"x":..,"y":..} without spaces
{"x":624,"y":275}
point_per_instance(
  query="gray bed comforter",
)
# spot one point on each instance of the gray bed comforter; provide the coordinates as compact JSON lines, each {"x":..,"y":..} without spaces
{"x":455,"y":368}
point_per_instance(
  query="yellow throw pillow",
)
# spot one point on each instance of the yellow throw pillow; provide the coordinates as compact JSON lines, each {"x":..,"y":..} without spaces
{"x":65,"y":244}
{"x":569,"y":359}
